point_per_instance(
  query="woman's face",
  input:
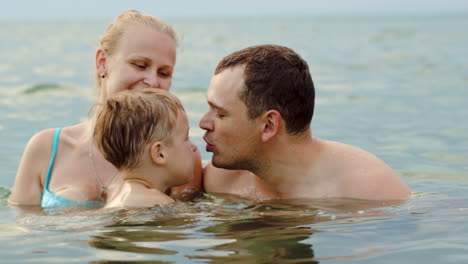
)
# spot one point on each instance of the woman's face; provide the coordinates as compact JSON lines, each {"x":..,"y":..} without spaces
{"x":144,"y":57}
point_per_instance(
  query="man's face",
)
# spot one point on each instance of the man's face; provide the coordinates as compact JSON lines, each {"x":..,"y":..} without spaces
{"x":230,"y":134}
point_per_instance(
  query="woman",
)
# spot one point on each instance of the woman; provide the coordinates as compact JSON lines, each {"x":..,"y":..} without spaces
{"x":62,"y":167}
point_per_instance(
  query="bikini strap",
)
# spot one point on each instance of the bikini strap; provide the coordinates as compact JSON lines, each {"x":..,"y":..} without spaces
{"x":52,"y":157}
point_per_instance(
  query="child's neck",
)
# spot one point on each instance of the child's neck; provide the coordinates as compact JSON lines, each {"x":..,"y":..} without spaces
{"x":139,"y":182}
{"x":139,"y":193}
{"x":145,"y":179}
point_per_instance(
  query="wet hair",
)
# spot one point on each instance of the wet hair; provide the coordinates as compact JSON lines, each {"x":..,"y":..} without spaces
{"x":275,"y":77}
{"x":129,"y":120}
{"x":116,"y":29}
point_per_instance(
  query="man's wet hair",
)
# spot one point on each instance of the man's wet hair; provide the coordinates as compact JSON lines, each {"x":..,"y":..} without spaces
{"x":275,"y":77}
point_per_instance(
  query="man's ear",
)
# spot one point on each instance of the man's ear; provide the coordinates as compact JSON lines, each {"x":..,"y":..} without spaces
{"x":101,"y":58}
{"x":158,"y":153}
{"x":271,"y":122}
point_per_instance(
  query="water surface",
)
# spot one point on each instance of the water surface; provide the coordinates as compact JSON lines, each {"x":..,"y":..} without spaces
{"x":393,"y":85}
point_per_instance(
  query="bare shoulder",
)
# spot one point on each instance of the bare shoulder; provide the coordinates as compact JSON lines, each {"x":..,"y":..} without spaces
{"x":72,"y":136}
{"x":40,"y":142}
{"x":27,"y":189}
{"x":146,"y":198}
{"x":237,"y":182}
{"x":37,"y":153}
{"x":43,"y":140}
{"x":221,"y":180}
{"x":39,"y":147}
{"x":364,"y":175}
{"x":350,"y":156}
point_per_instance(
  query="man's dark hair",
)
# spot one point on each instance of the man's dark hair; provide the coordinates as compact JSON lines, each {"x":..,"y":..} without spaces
{"x":275,"y":78}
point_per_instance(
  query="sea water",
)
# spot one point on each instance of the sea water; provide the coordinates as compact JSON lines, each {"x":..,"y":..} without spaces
{"x":393,"y":85}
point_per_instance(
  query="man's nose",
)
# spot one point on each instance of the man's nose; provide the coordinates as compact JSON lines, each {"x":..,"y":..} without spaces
{"x":205,"y":122}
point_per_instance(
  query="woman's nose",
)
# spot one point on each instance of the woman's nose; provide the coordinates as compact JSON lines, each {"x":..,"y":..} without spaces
{"x":151,"y":80}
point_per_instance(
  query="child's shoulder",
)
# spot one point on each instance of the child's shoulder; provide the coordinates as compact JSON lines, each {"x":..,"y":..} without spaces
{"x":146,"y":198}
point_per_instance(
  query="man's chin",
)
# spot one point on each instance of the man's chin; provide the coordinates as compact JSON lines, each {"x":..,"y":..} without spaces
{"x":217,"y":164}
{"x":220,"y":164}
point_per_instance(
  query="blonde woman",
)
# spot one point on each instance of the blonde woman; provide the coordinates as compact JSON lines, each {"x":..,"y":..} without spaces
{"x":63,"y":167}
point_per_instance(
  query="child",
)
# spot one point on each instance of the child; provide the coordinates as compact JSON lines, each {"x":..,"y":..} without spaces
{"x":144,"y":134}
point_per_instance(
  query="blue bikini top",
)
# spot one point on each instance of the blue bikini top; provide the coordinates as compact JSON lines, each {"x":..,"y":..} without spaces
{"x":50,"y":200}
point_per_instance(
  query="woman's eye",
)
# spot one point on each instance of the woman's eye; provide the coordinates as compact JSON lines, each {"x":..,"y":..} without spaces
{"x":139,"y":65}
{"x":165,"y":74}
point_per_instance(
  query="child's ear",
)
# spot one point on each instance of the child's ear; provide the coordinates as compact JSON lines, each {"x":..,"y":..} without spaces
{"x":158,"y":153}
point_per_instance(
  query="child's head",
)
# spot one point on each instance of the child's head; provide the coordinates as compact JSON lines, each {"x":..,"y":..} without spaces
{"x":132,"y":121}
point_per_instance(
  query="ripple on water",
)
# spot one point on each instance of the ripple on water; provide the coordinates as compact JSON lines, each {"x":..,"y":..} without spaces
{"x":229,"y":229}
{"x":448,"y":157}
{"x":4,"y":192}
{"x":44,"y":87}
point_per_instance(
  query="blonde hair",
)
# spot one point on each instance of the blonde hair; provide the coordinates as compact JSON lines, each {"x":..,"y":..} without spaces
{"x":116,"y":29}
{"x":130,"y":120}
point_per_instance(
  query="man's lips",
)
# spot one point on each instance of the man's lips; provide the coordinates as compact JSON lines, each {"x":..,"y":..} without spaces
{"x":209,"y":147}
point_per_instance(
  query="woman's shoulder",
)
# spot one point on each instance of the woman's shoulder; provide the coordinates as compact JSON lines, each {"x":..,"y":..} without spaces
{"x":73,"y":136}
{"x":30,"y":176}
{"x":41,"y":141}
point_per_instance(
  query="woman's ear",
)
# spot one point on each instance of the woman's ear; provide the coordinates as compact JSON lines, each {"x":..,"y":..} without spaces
{"x":158,"y":153}
{"x":101,"y":57}
{"x":271,"y":122}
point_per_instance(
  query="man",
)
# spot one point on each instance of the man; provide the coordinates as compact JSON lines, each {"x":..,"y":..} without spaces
{"x":261,"y":105}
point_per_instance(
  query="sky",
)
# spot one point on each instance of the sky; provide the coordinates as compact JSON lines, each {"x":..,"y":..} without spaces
{"x":20,"y":10}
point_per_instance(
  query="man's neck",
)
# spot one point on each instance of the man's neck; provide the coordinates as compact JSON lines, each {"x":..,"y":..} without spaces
{"x":289,"y":164}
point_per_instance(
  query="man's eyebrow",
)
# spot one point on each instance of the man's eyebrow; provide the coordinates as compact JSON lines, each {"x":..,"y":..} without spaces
{"x":216,"y":106}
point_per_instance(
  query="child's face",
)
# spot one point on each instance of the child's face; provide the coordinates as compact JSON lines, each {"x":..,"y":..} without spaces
{"x":181,"y":152}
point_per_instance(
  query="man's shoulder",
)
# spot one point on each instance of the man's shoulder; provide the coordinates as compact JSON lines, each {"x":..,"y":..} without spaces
{"x":221,"y":180}
{"x":350,"y":157}
{"x":237,"y":182}
{"x":364,"y":175}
